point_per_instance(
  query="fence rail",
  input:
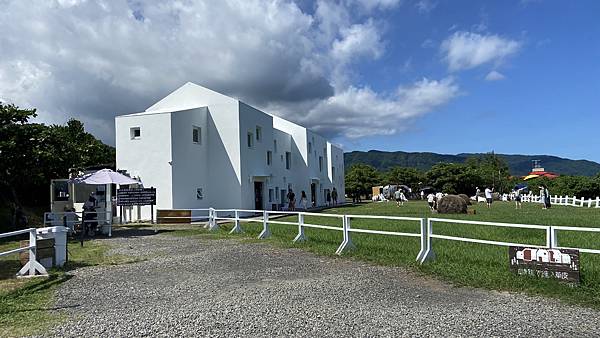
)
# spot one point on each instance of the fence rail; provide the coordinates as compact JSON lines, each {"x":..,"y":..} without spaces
{"x":32,"y":265}
{"x":425,"y":229}
{"x":565,"y":200}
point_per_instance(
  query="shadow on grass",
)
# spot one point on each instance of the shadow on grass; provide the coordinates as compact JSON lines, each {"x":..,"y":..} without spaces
{"x":34,"y":286}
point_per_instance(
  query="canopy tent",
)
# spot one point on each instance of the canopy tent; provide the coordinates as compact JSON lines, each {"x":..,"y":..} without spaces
{"x":104,"y":176}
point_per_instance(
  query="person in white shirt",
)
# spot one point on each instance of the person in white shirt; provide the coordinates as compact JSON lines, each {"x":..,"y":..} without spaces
{"x":488,"y":196}
{"x":431,"y":201}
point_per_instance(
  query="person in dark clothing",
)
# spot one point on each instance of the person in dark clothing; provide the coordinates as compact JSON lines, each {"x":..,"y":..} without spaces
{"x":334,"y":196}
{"x":291,"y":200}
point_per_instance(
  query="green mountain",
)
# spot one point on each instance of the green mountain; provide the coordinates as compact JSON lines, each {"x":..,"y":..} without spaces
{"x":518,"y":164}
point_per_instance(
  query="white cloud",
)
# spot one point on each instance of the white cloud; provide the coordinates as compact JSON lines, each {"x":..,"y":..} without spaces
{"x":425,"y":6}
{"x":96,"y":59}
{"x":494,"y":76}
{"x":357,"y":112}
{"x":465,"y":50}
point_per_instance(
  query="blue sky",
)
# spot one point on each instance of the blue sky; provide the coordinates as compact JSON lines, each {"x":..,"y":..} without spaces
{"x":548,"y":102}
{"x":413,"y":75}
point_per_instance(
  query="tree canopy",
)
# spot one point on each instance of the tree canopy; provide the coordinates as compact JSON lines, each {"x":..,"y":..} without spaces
{"x":34,"y":153}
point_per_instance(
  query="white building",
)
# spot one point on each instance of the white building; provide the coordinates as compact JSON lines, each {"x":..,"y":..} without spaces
{"x":201,"y":149}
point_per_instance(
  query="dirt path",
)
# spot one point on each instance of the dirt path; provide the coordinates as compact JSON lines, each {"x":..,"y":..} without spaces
{"x":201,"y":287}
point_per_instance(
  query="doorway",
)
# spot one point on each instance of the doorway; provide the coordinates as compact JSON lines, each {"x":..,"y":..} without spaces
{"x":313,"y":194}
{"x":258,"y":195}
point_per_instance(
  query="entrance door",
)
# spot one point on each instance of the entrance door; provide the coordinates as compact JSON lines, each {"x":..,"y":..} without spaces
{"x":258,"y":195}
{"x":313,"y":194}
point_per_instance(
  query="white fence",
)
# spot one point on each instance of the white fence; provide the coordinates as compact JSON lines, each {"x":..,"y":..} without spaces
{"x":565,"y":200}
{"x":32,"y":265}
{"x":425,"y":225}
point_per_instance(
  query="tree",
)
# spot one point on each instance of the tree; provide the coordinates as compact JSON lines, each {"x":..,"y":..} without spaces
{"x":492,"y":170}
{"x":360,"y":178}
{"x":454,"y":178}
{"x":408,"y":176}
{"x":34,"y":153}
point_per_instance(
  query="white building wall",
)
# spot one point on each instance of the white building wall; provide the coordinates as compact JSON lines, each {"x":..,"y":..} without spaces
{"x":223,"y":165}
{"x":147,"y":157}
{"x":190,"y":160}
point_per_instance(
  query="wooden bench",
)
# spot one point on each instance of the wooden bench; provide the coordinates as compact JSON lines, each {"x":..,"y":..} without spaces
{"x":173,"y":216}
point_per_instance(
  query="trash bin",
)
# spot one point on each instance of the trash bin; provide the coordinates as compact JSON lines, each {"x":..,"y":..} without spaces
{"x":59,"y":234}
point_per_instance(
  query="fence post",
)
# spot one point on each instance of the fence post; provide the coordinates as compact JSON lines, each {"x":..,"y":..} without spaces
{"x":32,"y":265}
{"x":429,"y":254}
{"x":582,"y":201}
{"x":347,"y":242}
{"x":266,"y":233}
{"x":213,"y":225}
{"x":300,"y":237}
{"x":423,"y":249}
{"x":574,"y":201}
{"x":597,"y":202}
{"x":589,"y":203}
{"x":236,"y":227}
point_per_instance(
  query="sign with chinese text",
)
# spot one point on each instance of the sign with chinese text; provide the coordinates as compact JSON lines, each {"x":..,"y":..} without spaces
{"x":136,"y":196}
{"x":561,"y":264}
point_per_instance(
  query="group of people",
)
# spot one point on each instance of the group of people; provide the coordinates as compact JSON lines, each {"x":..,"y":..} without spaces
{"x":331,"y":199}
{"x":516,"y":196}
{"x":433,"y":199}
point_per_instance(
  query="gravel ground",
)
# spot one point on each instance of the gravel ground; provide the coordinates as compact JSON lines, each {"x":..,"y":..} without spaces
{"x":207,"y":287}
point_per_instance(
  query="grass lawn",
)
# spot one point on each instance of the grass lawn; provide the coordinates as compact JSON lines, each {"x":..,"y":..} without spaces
{"x":466,"y":264}
{"x":26,"y":305}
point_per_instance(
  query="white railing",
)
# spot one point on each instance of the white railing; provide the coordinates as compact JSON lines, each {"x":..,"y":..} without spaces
{"x":32,"y":265}
{"x":565,"y":200}
{"x":551,"y":235}
{"x":69,"y":219}
{"x":426,"y":233}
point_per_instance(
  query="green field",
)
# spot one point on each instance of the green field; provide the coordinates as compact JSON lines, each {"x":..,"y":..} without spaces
{"x":468,"y":264}
{"x":27,"y":305}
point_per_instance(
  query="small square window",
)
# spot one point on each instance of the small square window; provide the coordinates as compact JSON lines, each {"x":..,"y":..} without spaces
{"x":135,"y":133}
{"x":196,"y":135}
{"x":258,"y":133}
{"x":250,"y":140}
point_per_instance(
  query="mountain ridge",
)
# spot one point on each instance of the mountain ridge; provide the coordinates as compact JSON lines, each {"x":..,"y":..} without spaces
{"x":518,"y":164}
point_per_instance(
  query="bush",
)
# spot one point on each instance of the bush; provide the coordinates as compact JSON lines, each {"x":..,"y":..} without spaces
{"x":466,"y":198}
{"x":452,"y":204}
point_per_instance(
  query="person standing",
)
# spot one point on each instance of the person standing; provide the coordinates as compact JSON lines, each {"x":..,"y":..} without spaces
{"x":328,"y":198}
{"x":303,"y":200}
{"x":431,"y":201}
{"x":542,"y":196}
{"x":398,"y":197}
{"x":477,"y":192}
{"x":489,"y":198}
{"x":334,"y":196}
{"x":422,"y":195}
{"x":547,"y":200}
{"x":291,"y":200}
{"x":518,"y":204}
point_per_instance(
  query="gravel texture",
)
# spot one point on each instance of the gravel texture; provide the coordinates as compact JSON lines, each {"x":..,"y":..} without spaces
{"x":208,"y":287}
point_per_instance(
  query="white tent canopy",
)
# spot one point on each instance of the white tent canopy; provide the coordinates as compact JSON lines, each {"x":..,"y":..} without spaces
{"x":104,"y":176}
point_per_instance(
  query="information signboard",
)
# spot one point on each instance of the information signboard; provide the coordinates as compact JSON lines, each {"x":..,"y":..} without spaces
{"x":561,"y":264}
{"x":136,"y":196}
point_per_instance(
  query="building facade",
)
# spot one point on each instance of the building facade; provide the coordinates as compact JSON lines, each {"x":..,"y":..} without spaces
{"x":202,"y":149}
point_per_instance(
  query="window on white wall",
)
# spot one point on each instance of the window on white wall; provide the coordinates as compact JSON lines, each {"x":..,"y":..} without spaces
{"x":288,"y":160}
{"x":196,"y":135}
{"x":309,"y":147}
{"x":270,"y":195}
{"x":250,"y":140}
{"x":258,"y":133}
{"x":269,"y":157}
{"x":135,"y":133}
{"x":275,"y":145}
{"x":320,"y":163}
{"x":333,"y":173}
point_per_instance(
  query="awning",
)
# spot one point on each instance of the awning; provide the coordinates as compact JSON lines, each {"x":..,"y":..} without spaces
{"x":104,"y":176}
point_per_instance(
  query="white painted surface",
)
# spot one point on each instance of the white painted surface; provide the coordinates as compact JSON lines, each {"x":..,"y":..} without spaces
{"x":222,"y":164}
